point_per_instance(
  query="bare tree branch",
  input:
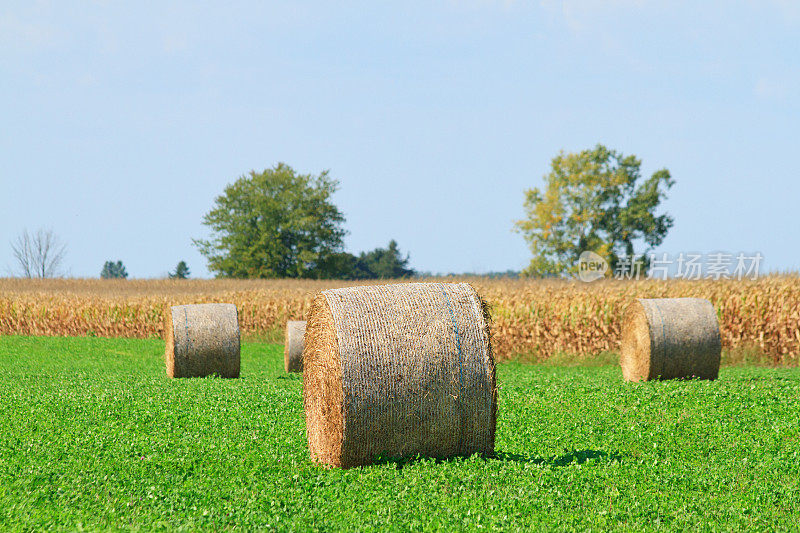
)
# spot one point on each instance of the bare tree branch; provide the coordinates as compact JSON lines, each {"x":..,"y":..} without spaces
{"x":21,"y":249}
{"x":39,"y":255}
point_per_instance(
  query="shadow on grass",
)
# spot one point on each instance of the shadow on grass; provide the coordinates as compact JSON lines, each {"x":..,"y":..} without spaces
{"x":577,"y":457}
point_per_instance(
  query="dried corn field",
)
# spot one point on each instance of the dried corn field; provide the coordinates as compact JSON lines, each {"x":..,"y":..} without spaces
{"x":533,"y":318}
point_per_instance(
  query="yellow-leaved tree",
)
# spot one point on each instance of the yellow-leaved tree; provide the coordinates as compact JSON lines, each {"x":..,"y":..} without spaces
{"x":594,"y":200}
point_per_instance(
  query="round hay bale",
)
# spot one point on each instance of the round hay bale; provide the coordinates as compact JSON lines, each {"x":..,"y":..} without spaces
{"x":668,"y":338}
{"x":202,"y":340}
{"x":397,"y":371}
{"x":293,"y":345}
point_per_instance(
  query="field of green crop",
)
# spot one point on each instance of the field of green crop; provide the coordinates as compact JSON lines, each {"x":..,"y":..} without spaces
{"x":93,"y":435}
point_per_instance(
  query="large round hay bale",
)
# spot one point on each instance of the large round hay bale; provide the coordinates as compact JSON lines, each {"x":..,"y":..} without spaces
{"x":293,"y":345}
{"x":398,"y":371}
{"x":668,"y":338}
{"x":202,"y":340}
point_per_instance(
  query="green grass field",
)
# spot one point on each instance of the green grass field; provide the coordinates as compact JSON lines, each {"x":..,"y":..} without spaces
{"x":94,"y":436}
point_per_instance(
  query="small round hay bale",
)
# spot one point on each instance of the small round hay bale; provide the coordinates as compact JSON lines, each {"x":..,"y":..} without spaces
{"x":668,"y":338}
{"x":293,"y":345}
{"x":398,"y":371}
{"x":202,"y":340}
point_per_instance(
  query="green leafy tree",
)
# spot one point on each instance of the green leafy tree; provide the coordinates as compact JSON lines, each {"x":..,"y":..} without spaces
{"x":181,"y":271}
{"x":113,"y":270}
{"x":273,"y":224}
{"x":593,"y":200}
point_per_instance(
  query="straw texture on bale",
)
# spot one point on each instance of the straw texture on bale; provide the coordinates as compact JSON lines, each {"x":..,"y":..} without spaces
{"x":669,"y":338}
{"x":293,"y":345}
{"x":396,"y":371}
{"x":202,"y":340}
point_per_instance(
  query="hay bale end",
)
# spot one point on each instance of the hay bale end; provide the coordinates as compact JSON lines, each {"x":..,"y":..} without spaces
{"x":202,"y":340}
{"x":669,"y":338}
{"x":293,"y":345}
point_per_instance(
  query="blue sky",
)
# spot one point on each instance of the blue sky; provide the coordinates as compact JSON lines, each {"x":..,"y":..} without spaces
{"x":119,"y":124}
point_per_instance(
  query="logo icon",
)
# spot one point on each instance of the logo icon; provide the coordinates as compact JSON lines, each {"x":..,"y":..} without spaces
{"x":591,"y":266}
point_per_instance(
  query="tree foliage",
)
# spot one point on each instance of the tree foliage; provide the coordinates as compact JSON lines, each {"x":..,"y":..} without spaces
{"x":113,"y":270}
{"x":380,"y":263}
{"x":38,"y":255}
{"x":593,"y":200}
{"x":276,"y":223}
{"x":387,"y":262}
{"x":181,"y":271}
{"x":343,"y":265}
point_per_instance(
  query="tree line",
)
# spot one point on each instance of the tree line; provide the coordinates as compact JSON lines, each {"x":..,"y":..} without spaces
{"x":279,"y":223}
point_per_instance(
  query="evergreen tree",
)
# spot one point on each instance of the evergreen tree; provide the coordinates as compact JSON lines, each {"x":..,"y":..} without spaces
{"x":181,"y":271}
{"x":113,"y":270}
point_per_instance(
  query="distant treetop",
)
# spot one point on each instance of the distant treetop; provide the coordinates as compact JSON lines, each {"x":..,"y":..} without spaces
{"x":181,"y":271}
{"x":113,"y":270}
{"x":380,"y":263}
